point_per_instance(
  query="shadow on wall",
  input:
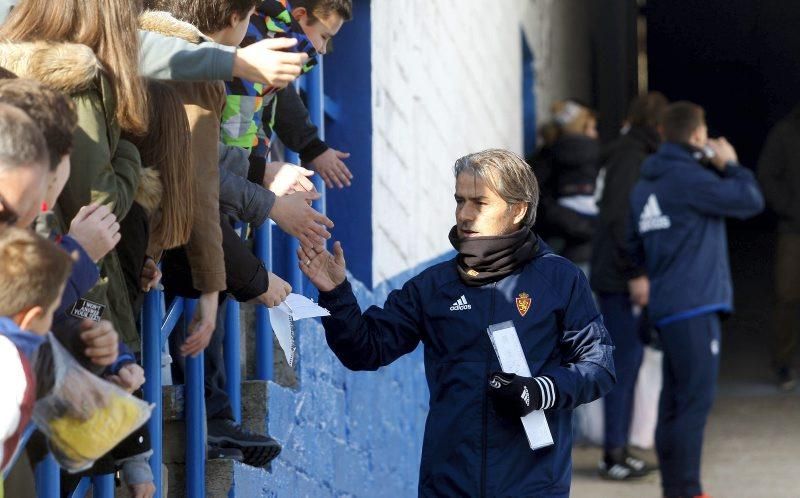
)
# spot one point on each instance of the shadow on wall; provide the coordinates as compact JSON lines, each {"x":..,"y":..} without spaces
{"x":353,"y":433}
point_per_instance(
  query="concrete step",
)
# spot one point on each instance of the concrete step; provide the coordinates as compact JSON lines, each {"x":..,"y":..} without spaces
{"x":224,"y":478}
{"x":255,"y":400}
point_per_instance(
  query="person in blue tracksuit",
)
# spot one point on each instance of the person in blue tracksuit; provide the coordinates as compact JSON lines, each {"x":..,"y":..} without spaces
{"x":474,"y":443}
{"x":611,"y":271}
{"x":678,"y":211}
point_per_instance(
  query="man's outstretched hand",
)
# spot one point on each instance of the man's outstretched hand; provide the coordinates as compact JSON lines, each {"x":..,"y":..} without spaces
{"x":325,"y":270}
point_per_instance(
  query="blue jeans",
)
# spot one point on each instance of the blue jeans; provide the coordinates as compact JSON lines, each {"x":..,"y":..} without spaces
{"x":623,"y":326}
{"x":691,"y":367}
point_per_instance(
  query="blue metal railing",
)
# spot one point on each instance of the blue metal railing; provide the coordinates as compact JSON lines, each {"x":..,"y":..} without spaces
{"x":157,"y":324}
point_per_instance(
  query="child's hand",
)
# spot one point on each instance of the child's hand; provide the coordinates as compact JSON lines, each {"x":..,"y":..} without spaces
{"x":96,"y":229}
{"x":330,"y":167}
{"x":130,"y":377}
{"x":101,"y":342}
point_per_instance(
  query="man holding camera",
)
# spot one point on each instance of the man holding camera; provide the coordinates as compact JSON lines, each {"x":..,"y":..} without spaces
{"x":677,"y":226}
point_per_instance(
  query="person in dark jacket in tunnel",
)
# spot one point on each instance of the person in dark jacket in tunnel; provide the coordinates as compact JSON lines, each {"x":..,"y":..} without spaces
{"x":567,"y":167}
{"x":611,"y":271}
{"x":474,"y":443}
{"x":677,"y":233}
{"x":779,"y":174}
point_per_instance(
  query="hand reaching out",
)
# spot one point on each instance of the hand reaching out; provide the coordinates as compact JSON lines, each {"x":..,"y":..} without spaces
{"x":285,"y":178}
{"x":294,"y":214}
{"x":276,"y":293}
{"x":325,"y":270}
{"x":269,"y":62}
{"x":330,"y":167}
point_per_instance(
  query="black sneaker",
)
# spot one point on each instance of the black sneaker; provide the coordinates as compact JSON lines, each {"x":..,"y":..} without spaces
{"x":258,"y":450}
{"x":787,"y":379}
{"x":219,"y":453}
{"x":619,"y":465}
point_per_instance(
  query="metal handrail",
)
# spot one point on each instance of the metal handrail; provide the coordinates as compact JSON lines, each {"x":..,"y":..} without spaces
{"x":157,"y":324}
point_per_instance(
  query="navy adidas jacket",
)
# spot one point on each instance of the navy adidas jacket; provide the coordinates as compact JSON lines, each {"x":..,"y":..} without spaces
{"x":677,"y":231}
{"x":469,"y":450}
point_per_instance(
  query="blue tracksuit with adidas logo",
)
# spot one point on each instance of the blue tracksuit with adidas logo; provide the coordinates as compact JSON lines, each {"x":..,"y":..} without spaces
{"x":677,"y":226}
{"x":469,"y":450}
{"x":678,"y":211}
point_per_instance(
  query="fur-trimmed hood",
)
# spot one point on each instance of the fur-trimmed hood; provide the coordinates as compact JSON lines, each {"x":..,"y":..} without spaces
{"x":166,"y":24}
{"x":69,"y":67}
{"x":150,"y":190}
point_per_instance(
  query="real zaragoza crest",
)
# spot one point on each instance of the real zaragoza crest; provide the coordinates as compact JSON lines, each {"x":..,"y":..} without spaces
{"x":523,"y":303}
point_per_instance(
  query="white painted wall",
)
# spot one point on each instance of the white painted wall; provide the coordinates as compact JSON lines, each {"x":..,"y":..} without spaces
{"x":446,"y":81}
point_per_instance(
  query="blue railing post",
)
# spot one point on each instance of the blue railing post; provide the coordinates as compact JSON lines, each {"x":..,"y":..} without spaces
{"x":290,"y":252}
{"x":264,"y":360}
{"x":48,"y":478}
{"x":151,"y":360}
{"x":195,"y":419}
{"x":315,"y":100}
{"x":233,"y":369}
{"x":103,"y":486}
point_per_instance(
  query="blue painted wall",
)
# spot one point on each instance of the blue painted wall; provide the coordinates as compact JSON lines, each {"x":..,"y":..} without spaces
{"x":345,"y":434}
{"x":348,"y":73}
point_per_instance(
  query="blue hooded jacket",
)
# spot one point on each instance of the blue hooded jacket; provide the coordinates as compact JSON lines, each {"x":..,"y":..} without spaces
{"x":468,"y":449}
{"x":677,"y":231}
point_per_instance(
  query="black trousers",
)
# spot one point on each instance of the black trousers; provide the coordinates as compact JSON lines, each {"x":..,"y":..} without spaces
{"x":218,"y":405}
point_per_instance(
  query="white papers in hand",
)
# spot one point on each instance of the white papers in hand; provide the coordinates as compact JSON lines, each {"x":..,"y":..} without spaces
{"x":512,"y":360}
{"x":283,"y":316}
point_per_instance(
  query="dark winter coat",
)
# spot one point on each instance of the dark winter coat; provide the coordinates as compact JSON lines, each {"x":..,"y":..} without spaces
{"x":677,"y":231}
{"x":623,"y":158}
{"x":779,"y":172}
{"x":569,"y":167}
{"x":469,"y":449}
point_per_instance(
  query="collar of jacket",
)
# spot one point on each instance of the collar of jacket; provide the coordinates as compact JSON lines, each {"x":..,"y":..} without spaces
{"x":676,"y":151}
{"x":68,"y":67}
{"x":648,"y":137}
{"x":166,"y":24}
{"x":27,"y":342}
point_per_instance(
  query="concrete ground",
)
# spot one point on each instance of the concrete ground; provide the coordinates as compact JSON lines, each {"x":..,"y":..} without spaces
{"x":752,"y":447}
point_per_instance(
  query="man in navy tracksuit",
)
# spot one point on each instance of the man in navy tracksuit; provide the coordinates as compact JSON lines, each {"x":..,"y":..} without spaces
{"x":474,"y":443}
{"x":678,"y":211}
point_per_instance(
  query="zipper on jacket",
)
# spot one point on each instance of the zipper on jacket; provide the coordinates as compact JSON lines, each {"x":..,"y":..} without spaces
{"x":484,"y":435}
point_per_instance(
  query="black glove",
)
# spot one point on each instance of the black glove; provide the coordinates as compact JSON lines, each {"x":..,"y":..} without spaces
{"x":515,"y":396}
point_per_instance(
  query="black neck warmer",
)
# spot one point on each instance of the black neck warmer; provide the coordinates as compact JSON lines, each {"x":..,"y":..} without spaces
{"x":483,"y":260}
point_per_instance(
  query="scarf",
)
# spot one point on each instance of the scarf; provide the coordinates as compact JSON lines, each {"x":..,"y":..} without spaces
{"x":483,"y":260}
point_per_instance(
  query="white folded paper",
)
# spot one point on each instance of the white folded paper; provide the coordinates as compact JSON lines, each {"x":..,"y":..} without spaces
{"x":512,"y":360}
{"x":283,"y":316}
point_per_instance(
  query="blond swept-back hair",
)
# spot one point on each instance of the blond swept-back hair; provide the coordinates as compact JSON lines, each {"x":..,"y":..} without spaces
{"x":505,"y":173}
{"x":568,"y":117}
{"x":166,"y":148}
{"x":108,"y":27}
{"x":33,"y":272}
